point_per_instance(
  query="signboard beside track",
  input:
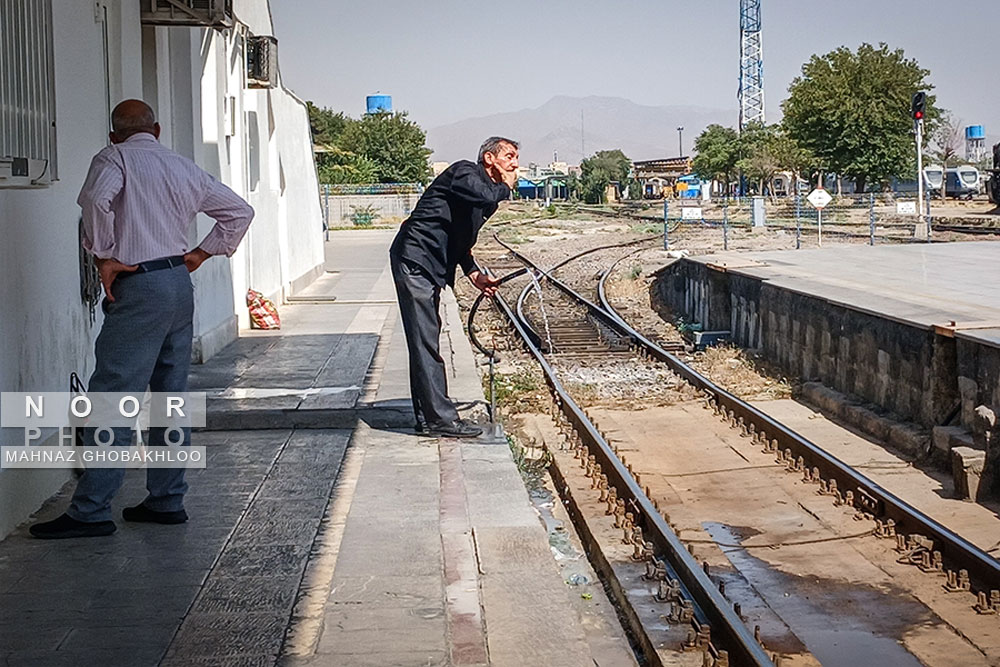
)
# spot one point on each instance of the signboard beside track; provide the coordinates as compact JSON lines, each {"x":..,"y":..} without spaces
{"x":819,"y":198}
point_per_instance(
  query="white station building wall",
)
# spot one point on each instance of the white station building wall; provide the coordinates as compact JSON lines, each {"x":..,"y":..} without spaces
{"x":257,"y":141}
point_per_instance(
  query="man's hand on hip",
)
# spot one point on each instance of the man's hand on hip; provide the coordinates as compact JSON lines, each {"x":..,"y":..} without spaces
{"x":109,"y":270}
{"x":194,"y":259}
{"x":484,"y":283}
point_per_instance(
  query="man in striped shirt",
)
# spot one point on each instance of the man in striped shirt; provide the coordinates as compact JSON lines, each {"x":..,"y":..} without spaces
{"x":139,"y":201}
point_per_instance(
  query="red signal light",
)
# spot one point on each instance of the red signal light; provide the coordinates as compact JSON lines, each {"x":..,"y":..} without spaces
{"x":918,"y":104}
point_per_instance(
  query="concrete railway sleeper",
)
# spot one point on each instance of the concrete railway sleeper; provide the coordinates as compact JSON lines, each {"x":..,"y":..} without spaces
{"x":956,"y":553}
{"x":715,"y":626}
{"x":920,"y":540}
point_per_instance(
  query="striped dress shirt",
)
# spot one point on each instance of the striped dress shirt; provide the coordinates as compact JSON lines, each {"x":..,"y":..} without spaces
{"x":140,"y":199}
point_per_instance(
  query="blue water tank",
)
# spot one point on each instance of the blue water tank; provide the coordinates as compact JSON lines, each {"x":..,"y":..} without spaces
{"x":378,"y":103}
{"x":975,"y":132}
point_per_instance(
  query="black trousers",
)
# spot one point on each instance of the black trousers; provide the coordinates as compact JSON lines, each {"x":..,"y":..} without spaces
{"x":419,"y":300}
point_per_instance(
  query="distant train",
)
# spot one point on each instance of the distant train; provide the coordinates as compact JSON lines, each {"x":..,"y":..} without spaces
{"x":962,"y":182}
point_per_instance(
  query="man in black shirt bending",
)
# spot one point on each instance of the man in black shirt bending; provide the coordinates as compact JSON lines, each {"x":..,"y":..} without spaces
{"x":437,"y":237}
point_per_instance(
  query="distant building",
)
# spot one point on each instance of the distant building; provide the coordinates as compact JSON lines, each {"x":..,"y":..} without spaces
{"x":658,"y":178}
{"x":538,"y":182}
{"x":438,"y":167}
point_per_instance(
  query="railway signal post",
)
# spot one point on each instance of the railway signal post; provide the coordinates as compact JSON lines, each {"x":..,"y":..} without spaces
{"x":917,"y":109}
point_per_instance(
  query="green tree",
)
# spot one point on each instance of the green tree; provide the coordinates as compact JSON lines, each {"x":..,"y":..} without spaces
{"x":793,"y":157}
{"x":852,"y":111}
{"x":600,"y":170}
{"x":378,"y":148}
{"x":393,"y":142}
{"x":767,"y":150}
{"x":572,"y":186}
{"x":326,"y":125}
{"x":718,"y":151}
{"x":758,"y":161}
{"x":336,"y":166}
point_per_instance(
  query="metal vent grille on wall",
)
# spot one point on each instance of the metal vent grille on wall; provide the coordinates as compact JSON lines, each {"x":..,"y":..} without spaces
{"x":203,"y":13}
{"x":262,"y":62}
{"x":27,"y":94}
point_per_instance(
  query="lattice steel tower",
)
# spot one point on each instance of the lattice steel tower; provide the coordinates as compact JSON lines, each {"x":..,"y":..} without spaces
{"x":751,"y":93}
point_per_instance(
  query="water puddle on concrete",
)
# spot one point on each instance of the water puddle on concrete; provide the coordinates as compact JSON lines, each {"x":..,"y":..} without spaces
{"x":559,"y":540}
{"x":841,"y":623}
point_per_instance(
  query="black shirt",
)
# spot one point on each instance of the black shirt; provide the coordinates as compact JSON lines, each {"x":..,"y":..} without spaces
{"x":445,"y":224}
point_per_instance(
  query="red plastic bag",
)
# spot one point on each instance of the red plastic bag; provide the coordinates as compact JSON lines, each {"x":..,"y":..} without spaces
{"x":263,"y":314}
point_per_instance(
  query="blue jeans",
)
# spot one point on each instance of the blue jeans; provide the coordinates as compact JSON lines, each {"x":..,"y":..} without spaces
{"x":145,"y":341}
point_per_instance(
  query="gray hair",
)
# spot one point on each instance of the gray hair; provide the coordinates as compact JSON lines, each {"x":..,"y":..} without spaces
{"x":132,"y":116}
{"x":492,"y":145}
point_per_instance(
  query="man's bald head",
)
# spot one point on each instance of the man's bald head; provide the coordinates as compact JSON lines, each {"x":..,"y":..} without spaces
{"x":131,"y":117}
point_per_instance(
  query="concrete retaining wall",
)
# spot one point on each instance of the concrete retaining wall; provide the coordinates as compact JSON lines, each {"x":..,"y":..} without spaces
{"x":906,"y":370}
{"x":978,"y":376}
{"x":340,"y":209}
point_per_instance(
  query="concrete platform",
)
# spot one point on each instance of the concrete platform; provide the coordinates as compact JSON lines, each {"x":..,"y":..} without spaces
{"x":919,"y":284}
{"x":913,"y":330}
{"x":351,"y":542}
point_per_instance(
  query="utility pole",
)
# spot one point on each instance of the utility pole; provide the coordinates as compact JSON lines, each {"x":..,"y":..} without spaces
{"x":680,"y":141}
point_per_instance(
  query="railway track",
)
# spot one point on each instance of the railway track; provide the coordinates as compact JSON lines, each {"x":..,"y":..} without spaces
{"x":581,"y":327}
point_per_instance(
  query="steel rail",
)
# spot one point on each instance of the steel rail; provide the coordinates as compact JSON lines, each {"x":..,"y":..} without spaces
{"x":966,"y":229}
{"x":957,"y":552}
{"x":522,"y":271}
{"x":727,"y":627}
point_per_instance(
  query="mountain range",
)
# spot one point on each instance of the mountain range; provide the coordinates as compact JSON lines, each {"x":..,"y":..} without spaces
{"x":641,"y":132}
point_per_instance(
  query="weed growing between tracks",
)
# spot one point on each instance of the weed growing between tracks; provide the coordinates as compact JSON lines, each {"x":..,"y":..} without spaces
{"x":739,"y":372}
{"x":519,"y":390}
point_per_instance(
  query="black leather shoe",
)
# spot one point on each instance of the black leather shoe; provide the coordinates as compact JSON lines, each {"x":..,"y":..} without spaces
{"x":457,"y":429}
{"x":142,"y":513}
{"x":66,"y":526}
{"x":419,"y":427}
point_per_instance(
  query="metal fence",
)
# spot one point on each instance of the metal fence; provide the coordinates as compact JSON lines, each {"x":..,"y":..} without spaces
{"x":875,"y":216}
{"x":368,"y":204}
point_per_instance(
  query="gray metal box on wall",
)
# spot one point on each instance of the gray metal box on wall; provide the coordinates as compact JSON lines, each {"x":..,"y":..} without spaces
{"x":262,"y":61}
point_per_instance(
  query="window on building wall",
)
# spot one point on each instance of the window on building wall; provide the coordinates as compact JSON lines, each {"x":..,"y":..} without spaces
{"x":27,"y":94}
{"x":253,"y":150}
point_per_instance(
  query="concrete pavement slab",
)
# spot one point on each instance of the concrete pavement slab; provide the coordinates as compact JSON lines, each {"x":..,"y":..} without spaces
{"x":428,"y":552}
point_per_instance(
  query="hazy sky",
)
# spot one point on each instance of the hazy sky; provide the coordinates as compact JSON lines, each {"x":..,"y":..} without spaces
{"x":447,"y":60}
